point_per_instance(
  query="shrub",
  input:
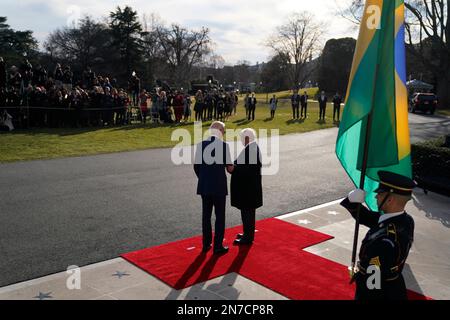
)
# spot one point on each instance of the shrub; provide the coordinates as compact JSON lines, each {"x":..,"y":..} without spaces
{"x":431,"y":165}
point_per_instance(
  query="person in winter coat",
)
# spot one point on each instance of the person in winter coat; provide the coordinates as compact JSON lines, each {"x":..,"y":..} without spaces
{"x":246,"y":185}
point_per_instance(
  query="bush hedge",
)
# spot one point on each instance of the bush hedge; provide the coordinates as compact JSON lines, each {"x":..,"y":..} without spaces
{"x":431,"y":164}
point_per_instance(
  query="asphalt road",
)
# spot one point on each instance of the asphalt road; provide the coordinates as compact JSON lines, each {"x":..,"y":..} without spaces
{"x":423,"y":127}
{"x":82,"y":210}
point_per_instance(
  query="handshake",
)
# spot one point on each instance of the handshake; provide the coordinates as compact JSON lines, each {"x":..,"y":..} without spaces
{"x":357,"y":196}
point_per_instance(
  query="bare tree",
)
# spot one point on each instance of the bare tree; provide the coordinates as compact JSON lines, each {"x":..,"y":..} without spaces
{"x":153,"y":54}
{"x":79,"y":45}
{"x":299,"y":39}
{"x":243,"y":72}
{"x":351,"y":11}
{"x":151,"y":23}
{"x":183,"y":49}
{"x":431,"y":20}
{"x":214,"y":61}
{"x":428,"y":37}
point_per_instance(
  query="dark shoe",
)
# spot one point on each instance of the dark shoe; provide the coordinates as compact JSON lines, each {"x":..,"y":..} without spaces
{"x":222,"y":250}
{"x":239,"y":235}
{"x":206,"y":249}
{"x":242,"y":241}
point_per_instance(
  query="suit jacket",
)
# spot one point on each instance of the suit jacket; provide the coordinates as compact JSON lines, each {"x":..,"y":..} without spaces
{"x":211,"y":158}
{"x":337,"y":100}
{"x":323,"y":103}
{"x":246,"y":180}
{"x":304,"y":100}
{"x":252,"y":102}
{"x":295,"y":99}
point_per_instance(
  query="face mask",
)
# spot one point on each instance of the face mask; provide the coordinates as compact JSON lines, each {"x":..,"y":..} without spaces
{"x":383,"y":202}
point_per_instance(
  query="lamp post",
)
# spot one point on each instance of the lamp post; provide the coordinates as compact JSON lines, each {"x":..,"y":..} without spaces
{"x":267,"y":92}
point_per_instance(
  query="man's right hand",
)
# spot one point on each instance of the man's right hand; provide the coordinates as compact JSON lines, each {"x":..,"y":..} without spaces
{"x":357,"y":196}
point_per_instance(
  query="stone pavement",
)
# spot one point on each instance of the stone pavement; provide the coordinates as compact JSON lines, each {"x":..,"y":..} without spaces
{"x":427,"y":270}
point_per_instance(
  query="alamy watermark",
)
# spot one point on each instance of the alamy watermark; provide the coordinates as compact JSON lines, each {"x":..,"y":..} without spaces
{"x":374,"y":280}
{"x":374,"y":17}
{"x":73,"y":282}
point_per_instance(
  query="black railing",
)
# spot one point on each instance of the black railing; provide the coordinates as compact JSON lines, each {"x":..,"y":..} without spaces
{"x":66,"y":116}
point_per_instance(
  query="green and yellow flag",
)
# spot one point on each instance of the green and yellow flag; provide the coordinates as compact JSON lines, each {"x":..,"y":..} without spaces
{"x":377,"y":85}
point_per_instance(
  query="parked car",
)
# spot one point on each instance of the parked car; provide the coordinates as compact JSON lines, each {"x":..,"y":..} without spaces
{"x":425,"y":102}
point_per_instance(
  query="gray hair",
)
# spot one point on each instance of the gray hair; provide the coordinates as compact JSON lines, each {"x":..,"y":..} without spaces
{"x":248,"y":132}
{"x":217,"y":128}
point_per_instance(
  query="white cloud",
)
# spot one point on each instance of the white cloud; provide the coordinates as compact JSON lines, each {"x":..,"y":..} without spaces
{"x":237,"y":27}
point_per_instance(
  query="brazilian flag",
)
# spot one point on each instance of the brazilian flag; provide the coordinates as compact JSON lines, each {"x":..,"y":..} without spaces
{"x":377,"y":86}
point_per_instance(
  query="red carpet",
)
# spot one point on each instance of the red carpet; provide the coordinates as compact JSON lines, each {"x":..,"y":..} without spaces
{"x":275,"y":260}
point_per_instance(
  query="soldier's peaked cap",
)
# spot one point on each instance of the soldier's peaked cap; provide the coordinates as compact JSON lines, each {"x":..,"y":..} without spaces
{"x":395,"y":183}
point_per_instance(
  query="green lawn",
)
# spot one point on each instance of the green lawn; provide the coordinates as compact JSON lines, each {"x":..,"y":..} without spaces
{"x":56,"y":143}
{"x":286,"y":94}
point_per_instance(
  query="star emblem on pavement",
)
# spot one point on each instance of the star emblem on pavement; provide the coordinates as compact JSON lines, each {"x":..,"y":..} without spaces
{"x":43,"y":296}
{"x":304,"y":221}
{"x":120,"y":274}
{"x":334,"y":213}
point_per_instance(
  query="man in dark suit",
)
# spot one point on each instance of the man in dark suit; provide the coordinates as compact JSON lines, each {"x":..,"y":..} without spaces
{"x":295,"y":102}
{"x":322,"y":105}
{"x":388,"y":241}
{"x":246,"y":185}
{"x":337,"y":100}
{"x":251,"y":107}
{"x":212,"y":157}
{"x":304,"y":104}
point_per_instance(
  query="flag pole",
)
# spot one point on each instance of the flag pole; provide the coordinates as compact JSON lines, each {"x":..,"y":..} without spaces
{"x":363,"y":173}
{"x":367,"y":142}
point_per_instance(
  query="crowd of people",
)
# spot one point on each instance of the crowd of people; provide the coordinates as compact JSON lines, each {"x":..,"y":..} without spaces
{"x":299,"y":105}
{"x":34,"y":97}
{"x":215,"y":105}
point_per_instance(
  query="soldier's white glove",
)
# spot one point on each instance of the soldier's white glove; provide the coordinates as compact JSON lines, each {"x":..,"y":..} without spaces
{"x":357,"y":196}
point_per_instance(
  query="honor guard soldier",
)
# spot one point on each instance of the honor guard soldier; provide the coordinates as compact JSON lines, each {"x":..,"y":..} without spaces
{"x":387,"y":243}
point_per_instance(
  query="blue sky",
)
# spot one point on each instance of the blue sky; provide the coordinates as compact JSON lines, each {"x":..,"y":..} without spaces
{"x":238,"y":28}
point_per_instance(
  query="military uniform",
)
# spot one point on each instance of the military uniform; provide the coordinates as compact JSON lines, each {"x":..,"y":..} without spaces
{"x":386,"y":244}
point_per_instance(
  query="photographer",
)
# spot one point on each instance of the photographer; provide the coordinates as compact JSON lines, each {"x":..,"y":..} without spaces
{"x":15,"y":78}
{"x":67,"y":79}
{"x":76,"y":106}
{"x":108,"y":104}
{"x":40,"y":76}
{"x":26,"y":69}
{"x":58,"y":76}
{"x":121,"y":102}
{"x":88,"y":78}
{"x":135,"y":88}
